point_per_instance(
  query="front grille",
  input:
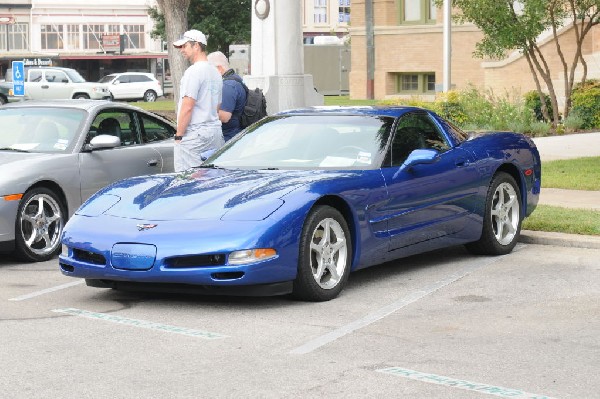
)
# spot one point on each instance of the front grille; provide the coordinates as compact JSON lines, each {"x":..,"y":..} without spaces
{"x":195,"y":261}
{"x":89,"y":257}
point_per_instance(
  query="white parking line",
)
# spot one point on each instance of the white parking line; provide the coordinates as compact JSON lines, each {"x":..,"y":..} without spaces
{"x":379,"y":314}
{"x":461,"y":384}
{"x":140,"y":323}
{"x":47,"y":290}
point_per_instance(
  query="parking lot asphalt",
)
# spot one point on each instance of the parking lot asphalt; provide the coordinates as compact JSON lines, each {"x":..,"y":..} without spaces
{"x":566,"y":147}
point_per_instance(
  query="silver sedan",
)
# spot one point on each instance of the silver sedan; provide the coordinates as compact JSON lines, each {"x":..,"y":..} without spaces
{"x":54,"y":155}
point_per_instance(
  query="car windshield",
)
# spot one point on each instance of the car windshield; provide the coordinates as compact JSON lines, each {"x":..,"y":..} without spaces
{"x":75,"y":76}
{"x":39,"y":129}
{"x":107,"y":79}
{"x":308,"y":141}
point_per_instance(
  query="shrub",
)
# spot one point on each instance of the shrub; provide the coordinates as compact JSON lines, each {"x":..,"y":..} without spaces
{"x":573,"y":122}
{"x":586,"y":104}
{"x":533,"y":102}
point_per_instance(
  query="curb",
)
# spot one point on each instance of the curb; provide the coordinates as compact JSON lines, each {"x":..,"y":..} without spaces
{"x":559,"y":239}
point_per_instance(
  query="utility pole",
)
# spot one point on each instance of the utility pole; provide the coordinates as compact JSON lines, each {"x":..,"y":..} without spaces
{"x":370,"y":49}
{"x":447,"y":45}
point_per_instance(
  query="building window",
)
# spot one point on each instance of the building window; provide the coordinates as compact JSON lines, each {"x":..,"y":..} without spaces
{"x":134,"y":36}
{"x":52,"y":37}
{"x":418,"y":12}
{"x":92,"y":36}
{"x":72,"y":37}
{"x":344,"y":11}
{"x":416,"y":83}
{"x":320,"y":12}
{"x":14,"y":37}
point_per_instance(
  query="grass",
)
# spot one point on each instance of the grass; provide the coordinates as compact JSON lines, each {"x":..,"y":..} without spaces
{"x":563,"y":220}
{"x":572,"y":174}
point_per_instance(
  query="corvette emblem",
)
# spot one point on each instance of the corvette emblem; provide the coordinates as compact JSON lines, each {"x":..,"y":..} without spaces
{"x":146,"y":226}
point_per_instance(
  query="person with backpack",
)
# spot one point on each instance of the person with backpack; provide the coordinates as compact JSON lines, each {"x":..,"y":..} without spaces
{"x":234,"y":96}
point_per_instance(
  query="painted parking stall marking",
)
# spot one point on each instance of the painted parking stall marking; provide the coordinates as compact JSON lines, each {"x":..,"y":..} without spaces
{"x":471,"y":266}
{"x":461,"y":384}
{"x":140,"y":323}
{"x":47,"y":291}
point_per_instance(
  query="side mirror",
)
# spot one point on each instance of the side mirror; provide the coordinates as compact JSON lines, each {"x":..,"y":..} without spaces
{"x":103,"y":141}
{"x":116,"y":82}
{"x":420,"y":156}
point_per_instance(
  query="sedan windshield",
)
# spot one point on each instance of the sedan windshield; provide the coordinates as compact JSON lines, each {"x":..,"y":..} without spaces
{"x":39,"y":129}
{"x":308,"y":141}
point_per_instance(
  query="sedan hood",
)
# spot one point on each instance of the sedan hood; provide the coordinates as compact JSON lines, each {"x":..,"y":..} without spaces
{"x":200,"y":194}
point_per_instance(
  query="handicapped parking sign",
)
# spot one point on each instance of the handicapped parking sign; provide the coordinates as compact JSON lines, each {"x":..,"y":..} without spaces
{"x":18,"y":78}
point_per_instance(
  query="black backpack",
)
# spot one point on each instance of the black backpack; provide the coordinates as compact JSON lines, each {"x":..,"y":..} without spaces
{"x":256,"y":104}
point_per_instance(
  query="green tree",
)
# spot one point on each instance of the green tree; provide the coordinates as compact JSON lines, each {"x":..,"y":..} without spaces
{"x":174,"y":23}
{"x":224,"y":22}
{"x":517,"y":25}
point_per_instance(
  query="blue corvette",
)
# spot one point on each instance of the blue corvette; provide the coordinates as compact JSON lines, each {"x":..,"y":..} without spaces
{"x":301,"y":199}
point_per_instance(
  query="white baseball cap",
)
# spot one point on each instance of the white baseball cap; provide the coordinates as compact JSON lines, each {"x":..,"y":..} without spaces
{"x":190,"y":36}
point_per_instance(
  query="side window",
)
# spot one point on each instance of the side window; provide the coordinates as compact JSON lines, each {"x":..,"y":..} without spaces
{"x":154,"y":129}
{"x":415,"y":131}
{"x":114,"y":123}
{"x":35,"y":76}
{"x":56,"y":76}
{"x":124,"y":79}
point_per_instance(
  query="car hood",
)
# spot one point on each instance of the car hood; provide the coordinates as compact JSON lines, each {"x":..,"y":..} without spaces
{"x":200,"y":194}
{"x":11,"y":158}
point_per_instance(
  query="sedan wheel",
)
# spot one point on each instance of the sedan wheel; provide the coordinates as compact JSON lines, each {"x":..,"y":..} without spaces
{"x":150,"y":96}
{"x":39,"y":224}
{"x":502,"y":219}
{"x":325,"y":253}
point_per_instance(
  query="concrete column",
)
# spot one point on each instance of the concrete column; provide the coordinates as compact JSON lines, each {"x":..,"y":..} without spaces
{"x":277,"y":56}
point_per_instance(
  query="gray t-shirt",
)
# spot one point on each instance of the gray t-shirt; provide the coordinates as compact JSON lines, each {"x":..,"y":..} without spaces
{"x":202,"y":82}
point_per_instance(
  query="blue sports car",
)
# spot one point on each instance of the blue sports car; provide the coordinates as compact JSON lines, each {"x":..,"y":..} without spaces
{"x":302,"y":198}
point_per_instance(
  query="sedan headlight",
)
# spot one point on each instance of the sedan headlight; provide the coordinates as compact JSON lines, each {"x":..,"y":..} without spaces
{"x":251,"y":255}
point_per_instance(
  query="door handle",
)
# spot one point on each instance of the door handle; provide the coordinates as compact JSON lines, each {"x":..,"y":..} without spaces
{"x":460,"y":162}
{"x":153,"y":162}
{"x":45,"y":87}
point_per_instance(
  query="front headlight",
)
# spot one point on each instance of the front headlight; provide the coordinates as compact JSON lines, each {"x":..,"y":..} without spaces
{"x":251,"y":256}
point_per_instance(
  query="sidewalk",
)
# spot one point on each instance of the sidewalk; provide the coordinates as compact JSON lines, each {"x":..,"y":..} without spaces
{"x":567,"y":147}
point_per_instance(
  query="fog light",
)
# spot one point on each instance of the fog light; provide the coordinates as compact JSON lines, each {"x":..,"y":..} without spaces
{"x":251,"y":255}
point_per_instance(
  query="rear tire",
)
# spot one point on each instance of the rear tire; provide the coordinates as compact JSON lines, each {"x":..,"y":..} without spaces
{"x":81,"y":97}
{"x":325,"y":256}
{"x":150,"y":96}
{"x":502,"y":218}
{"x":3,"y":100}
{"x":39,"y":224}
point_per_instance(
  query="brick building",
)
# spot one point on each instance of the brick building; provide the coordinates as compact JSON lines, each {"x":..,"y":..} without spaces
{"x":408,"y":46}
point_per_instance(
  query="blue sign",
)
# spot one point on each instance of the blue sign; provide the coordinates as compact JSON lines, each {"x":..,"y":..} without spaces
{"x":18,"y":78}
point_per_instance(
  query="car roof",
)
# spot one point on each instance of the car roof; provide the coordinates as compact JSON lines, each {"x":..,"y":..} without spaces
{"x":375,"y":110}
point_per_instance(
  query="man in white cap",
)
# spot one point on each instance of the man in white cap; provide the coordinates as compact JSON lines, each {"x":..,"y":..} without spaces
{"x":200,"y":93}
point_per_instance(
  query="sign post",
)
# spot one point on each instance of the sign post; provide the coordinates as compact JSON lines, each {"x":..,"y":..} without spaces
{"x":18,"y":78}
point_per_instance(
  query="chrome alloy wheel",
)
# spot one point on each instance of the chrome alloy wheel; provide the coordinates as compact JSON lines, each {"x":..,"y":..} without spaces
{"x":41,"y":224}
{"x":328,"y":253}
{"x":505,"y":213}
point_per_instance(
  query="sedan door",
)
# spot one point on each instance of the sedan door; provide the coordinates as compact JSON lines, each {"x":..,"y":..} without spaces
{"x":134,"y":157}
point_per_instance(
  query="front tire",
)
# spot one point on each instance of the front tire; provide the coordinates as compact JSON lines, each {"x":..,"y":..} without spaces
{"x":39,"y":224}
{"x":502,"y":218}
{"x":81,"y":97}
{"x":325,"y":256}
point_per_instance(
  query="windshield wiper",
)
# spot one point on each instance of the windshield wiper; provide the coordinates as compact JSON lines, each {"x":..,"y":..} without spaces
{"x":12,"y":149}
{"x":269,"y":169}
{"x":210,"y":166}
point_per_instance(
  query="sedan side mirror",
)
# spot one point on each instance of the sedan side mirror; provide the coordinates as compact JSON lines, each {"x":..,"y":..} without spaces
{"x":103,"y":141}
